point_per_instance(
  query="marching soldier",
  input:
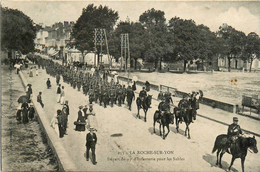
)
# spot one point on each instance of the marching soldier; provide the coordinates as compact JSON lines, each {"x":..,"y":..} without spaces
{"x":91,"y":95}
{"x":112,"y":96}
{"x":124,"y":93}
{"x":130,"y":95}
{"x":78,"y":84}
{"x":119,"y":95}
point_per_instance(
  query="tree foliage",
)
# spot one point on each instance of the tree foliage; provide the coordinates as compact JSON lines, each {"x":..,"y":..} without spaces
{"x":18,"y":32}
{"x":233,"y":41}
{"x":252,"y":48}
{"x":156,"y":45}
{"x":92,"y":17}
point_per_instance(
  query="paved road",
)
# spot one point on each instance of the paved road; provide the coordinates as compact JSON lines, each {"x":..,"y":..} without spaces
{"x":121,"y":136}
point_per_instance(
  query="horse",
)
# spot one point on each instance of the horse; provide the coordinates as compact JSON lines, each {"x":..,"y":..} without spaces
{"x":165,"y":120}
{"x":145,"y":104}
{"x":180,"y":115}
{"x":238,"y":149}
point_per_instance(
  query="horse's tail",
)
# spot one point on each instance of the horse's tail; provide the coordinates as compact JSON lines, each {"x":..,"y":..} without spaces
{"x":215,"y":147}
{"x":218,"y":142}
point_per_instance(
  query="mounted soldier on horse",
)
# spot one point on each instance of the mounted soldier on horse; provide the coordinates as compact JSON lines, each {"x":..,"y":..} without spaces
{"x":235,"y":144}
{"x":163,"y":116}
{"x":144,"y":102}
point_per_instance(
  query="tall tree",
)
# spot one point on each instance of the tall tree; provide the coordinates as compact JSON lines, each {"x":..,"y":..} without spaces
{"x":92,"y":17}
{"x":234,"y":43}
{"x":252,"y":48}
{"x":154,"y":22}
{"x":136,"y":34}
{"x":18,"y":31}
{"x":186,"y":39}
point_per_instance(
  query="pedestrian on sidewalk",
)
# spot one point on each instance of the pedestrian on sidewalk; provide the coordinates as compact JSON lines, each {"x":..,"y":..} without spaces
{"x":31,"y":112}
{"x":58,"y":93}
{"x":60,"y":123}
{"x":29,"y":91}
{"x":36,"y":72}
{"x":62,"y":95}
{"x":58,"y":79}
{"x":91,"y":141}
{"x":39,"y":99}
{"x":48,"y":82}
{"x":80,"y":123}
{"x":19,"y":114}
{"x":31,"y":73}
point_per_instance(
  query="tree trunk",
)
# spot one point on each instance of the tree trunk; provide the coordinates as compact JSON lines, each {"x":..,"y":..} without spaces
{"x":83,"y":57}
{"x":229,"y":64}
{"x":156,"y":64}
{"x":250,"y":67}
{"x":135,"y":63}
{"x":160,"y":63}
{"x":184,"y":66}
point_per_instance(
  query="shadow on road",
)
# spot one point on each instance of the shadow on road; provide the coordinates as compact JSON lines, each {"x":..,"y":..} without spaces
{"x":212,"y":161}
{"x":117,"y":135}
{"x":182,"y":132}
{"x":141,"y":116}
{"x":157,"y":132}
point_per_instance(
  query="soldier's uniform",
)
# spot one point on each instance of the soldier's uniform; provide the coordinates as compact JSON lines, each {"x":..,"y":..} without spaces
{"x":130,"y":95}
{"x":234,"y":131}
{"x":124,"y":93}
{"x":120,"y":95}
{"x":112,"y":96}
{"x":91,"y":95}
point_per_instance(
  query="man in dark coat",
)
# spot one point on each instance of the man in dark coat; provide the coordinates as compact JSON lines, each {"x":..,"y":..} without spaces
{"x":60,"y":123}
{"x":39,"y":99}
{"x":58,"y":79}
{"x":48,"y":82}
{"x":58,"y":93}
{"x":31,"y":112}
{"x":91,"y":141}
{"x":130,"y":95}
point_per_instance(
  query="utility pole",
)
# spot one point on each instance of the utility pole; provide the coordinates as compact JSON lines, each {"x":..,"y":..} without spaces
{"x":125,"y":53}
{"x":100,"y":40}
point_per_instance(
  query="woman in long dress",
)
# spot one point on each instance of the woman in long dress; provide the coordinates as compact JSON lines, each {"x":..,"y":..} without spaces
{"x":54,"y":123}
{"x":31,"y":73}
{"x":62,"y":96}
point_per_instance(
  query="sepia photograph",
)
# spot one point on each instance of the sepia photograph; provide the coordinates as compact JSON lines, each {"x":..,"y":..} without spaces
{"x":161,"y":85}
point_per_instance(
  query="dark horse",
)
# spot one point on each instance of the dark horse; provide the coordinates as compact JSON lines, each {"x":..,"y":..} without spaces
{"x":180,"y":115}
{"x":238,"y":149}
{"x":144,"y":105}
{"x":165,"y":120}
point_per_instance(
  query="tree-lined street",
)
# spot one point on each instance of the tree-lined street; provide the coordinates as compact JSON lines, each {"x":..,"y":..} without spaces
{"x":122,"y":134}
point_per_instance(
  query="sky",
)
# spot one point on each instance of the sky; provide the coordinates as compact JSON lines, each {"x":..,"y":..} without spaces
{"x":243,"y":16}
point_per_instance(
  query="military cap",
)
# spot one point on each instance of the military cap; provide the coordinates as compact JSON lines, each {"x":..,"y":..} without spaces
{"x":235,"y":119}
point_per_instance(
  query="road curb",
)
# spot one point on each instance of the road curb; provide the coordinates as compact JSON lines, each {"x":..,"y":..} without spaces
{"x":64,"y":161}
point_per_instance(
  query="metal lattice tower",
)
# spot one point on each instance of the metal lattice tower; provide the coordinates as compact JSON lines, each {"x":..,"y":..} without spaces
{"x":125,"y":51}
{"x":100,"y":40}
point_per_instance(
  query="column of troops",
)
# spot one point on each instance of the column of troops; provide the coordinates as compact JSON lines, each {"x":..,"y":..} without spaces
{"x":95,"y":84}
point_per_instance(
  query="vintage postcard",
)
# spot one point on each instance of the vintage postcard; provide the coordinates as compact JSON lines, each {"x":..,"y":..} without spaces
{"x":130,"y":85}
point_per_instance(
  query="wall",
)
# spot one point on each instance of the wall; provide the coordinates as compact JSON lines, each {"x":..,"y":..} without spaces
{"x":206,"y":101}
